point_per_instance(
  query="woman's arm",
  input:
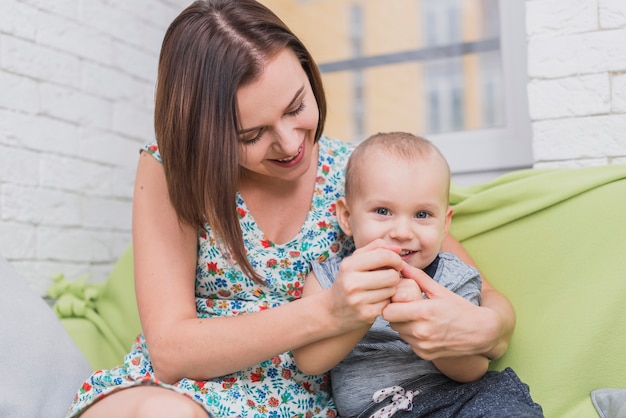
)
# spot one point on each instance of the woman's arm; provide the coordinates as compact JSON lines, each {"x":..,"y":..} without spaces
{"x":183,"y":345}
{"x":447,"y":325}
{"x":503,"y":322}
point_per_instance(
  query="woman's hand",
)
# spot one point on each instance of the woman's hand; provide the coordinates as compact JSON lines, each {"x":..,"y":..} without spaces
{"x":364,"y":285}
{"x":366,"y":281}
{"x":445,"y":324}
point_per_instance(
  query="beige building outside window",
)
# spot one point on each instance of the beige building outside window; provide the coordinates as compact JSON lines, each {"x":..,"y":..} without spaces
{"x":451,"y":70}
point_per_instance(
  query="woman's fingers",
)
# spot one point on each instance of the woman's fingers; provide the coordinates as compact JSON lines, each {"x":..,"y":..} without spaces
{"x":376,"y":255}
{"x":370,"y":286}
{"x":440,"y":326}
{"x":424,"y":325}
{"x":431,"y":288}
{"x":366,"y":282}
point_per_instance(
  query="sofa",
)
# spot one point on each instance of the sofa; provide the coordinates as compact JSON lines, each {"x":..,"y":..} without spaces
{"x":553,"y":241}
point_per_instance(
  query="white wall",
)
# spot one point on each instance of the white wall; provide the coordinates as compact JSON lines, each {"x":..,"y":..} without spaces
{"x":577,"y":88}
{"x":76,"y":100}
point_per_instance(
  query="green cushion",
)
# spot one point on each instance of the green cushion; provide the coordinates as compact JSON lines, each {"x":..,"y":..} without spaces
{"x":555,"y":246}
{"x":101,"y":318}
{"x":118,"y":303}
{"x":100,"y":351}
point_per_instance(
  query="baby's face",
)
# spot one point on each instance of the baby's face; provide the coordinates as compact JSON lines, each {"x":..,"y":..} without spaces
{"x":402,"y":202}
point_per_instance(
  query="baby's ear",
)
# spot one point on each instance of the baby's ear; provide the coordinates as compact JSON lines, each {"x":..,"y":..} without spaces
{"x":343,"y":216}
{"x":448,"y":219}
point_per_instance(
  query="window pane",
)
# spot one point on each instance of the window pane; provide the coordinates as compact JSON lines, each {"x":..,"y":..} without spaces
{"x":439,"y":68}
{"x":429,"y":66}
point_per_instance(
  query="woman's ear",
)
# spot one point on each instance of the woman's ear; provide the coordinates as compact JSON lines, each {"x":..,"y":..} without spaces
{"x":343,"y":216}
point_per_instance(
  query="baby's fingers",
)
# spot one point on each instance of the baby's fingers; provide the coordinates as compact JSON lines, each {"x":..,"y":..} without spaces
{"x":407,"y":291}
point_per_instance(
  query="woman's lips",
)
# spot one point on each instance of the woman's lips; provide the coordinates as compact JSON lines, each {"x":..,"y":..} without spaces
{"x":293,"y":160}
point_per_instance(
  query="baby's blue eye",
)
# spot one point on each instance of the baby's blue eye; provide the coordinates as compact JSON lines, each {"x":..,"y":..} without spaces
{"x":422,"y":214}
{"x":382,"y":211}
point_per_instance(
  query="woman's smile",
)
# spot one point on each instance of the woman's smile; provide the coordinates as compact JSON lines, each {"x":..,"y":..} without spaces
{"x":291,"y":161}
{"x":279,"y":107}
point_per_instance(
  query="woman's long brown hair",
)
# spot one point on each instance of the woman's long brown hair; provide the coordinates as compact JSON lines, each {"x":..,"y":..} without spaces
{"x":210,"y":50}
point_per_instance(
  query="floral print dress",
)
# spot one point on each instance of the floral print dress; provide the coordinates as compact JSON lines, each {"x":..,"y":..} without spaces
{"x":275,"y":387}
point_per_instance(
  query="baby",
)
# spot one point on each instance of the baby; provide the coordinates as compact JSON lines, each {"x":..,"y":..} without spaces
{"x":397,"y":189}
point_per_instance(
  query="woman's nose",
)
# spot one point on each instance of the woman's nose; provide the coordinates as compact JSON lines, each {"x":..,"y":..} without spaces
{"x":286,"y":139}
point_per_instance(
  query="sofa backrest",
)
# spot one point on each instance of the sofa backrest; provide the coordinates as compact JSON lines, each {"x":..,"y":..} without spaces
{"x":562,"y":263}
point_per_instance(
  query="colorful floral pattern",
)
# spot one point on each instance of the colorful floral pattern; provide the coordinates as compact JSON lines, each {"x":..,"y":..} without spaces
{"x":275,"y":387}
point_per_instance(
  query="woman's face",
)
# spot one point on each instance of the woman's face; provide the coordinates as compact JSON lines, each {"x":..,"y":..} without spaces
{"x":278,"y":116}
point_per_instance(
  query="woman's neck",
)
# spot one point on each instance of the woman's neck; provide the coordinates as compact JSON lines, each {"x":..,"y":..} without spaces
{"x":279,"y":207}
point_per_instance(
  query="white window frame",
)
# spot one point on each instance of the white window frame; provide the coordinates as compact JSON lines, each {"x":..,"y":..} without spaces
{"x":509,"y":147}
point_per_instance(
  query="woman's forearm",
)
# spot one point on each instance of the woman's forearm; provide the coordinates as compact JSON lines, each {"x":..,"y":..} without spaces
{"x":202,"y":349}
{"x":499,"y":317}
{"x":502,"y":324}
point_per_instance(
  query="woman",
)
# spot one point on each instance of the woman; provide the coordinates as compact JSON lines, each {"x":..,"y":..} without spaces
{"x":229,"y":208}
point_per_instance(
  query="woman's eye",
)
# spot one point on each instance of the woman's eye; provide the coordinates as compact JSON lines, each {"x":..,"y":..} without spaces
{"x":297,"y":111}
{"x":250,"y":138}
{"x":382,"y":211}
{"x":422,"y":215}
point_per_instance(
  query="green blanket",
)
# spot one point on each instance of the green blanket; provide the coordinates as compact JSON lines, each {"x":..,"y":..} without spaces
{"x":553,"y":241}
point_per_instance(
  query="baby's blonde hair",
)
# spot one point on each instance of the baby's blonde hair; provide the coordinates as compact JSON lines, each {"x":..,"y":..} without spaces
{"x":403,"y":145}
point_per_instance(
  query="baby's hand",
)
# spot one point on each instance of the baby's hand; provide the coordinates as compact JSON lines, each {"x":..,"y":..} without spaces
{"x":407,"y":291}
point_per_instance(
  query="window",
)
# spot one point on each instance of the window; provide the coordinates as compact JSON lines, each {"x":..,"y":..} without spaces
{"x":453,"y":71}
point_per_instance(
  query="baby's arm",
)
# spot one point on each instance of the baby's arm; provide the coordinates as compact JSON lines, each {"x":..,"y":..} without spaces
{"x":463,"y":369}
{"x":321,"y":356}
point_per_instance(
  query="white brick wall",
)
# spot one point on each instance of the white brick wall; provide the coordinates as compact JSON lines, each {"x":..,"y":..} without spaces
{"x":577,"y":87}
{"x":76,"y":101}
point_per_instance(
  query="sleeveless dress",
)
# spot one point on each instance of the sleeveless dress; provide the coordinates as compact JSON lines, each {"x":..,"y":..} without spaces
{"x":275,"y":387}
